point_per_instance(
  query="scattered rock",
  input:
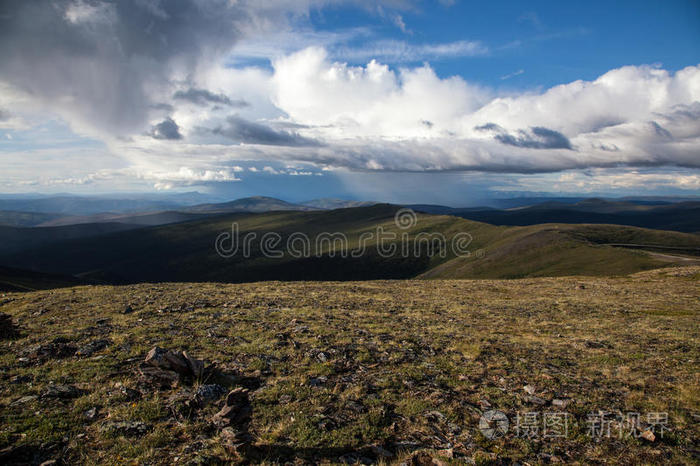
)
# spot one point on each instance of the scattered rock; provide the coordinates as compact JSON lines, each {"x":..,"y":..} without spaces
{"x":423,"y":458}
{"x":8,"y":329}
{"x":434,"y":416}
{"x":156,"y":358}
{"x":182,"y":404}
{"x":597,"y":344}
{"x":176,"y":361}
{"x":236,"y":411}
{"x":322,"y":357}
{"x":381,"y":452}
{"x":529,"y":389}
{"x":535,"y":400}
{"x":59,"y":348}
{"x":560,"y":403}
{"x":154,"y":377}
{"x":129,"y":393}
{"x":62,"y":391}
{"x":196,"y":366}
{"x":93,"y":347}
{"x":454,"y":429}
{"x":546,"y":457}
{"x":234,"y":441}
{"x":206,"y":394}
{"x":90,"y":414}
{"x":126,"y":428}
{"x":22,"y":379}
{"x":648,"y":435}
{"x":317,"y":381}
{"x":24,"y":399}
{"x":355,"y":406}
{"x":354,"y":458}
{"x":327,"y":424}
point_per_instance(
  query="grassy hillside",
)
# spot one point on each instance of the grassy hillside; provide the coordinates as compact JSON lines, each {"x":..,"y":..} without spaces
{"x":186,"y":251}
{"x":355,"y":372}
{"x":556,"y":250}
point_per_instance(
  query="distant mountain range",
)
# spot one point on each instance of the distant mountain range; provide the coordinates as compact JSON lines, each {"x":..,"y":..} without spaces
{"x":677,"y":216}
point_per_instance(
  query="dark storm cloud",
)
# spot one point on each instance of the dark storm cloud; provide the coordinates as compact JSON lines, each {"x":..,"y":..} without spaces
{"x":683,"y":112}
{"x":95,"y":60}
{"x":536,"y":137}
{"x":660,"y":130}
{"x":163,"y":106}
{"x":240,"y":130}
{"x":166,"y":129}
{"x":205,"y":97}
{"x":608,"y":147}
{"x":489,"y":127}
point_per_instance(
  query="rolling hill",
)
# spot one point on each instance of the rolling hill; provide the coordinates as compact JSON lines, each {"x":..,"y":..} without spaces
{"x":144,"y":219}
{"x":14,"y":239}
{"x":247,"y":204}
{"x":681,"y":216}
{"x":14,"y":218}
{"x":186,"y":251}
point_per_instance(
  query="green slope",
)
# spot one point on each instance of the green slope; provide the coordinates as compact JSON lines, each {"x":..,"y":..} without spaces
{"x":558,"y":250}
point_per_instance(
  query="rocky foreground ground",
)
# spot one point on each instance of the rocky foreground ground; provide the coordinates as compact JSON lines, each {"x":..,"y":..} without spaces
{"x":529,"y":371}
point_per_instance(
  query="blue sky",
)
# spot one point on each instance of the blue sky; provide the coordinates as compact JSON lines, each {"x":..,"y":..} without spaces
{"x":552,"y":42}
{"x":397,"y":100}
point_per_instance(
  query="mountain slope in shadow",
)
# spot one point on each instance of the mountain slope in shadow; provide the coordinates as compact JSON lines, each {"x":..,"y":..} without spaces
{"x":186,"y":251}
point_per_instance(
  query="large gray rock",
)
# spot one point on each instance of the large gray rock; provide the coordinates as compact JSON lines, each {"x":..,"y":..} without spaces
{"x":62,"y":391}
